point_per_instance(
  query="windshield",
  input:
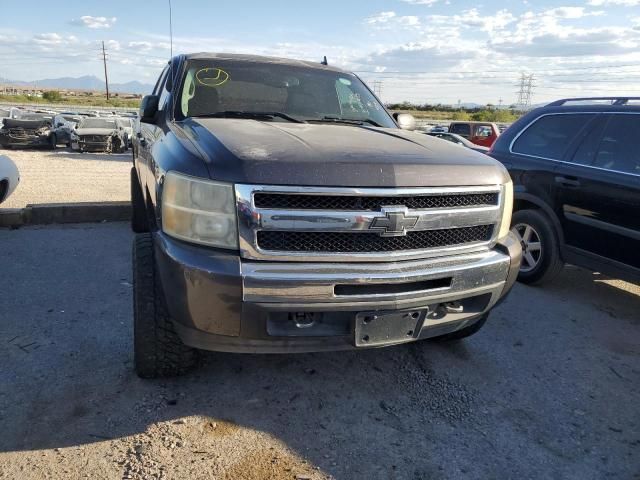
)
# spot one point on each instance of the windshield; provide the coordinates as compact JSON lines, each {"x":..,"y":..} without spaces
{"x":213,"y":87}
{"x":35,"y":116}
{"x":97,"y":123}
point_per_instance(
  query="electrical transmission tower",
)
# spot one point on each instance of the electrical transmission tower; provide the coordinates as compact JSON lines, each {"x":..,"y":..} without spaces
{"x":525,"y":91}
{"x":377,"y":88}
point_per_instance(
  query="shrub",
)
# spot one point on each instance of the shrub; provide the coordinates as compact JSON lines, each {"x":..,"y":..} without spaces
{"x":52,"y":96}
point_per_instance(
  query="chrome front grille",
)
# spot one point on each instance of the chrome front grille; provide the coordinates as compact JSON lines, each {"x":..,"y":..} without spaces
{"x":317,"y":224}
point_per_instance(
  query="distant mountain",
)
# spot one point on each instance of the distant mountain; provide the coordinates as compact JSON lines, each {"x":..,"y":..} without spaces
{"x":87,"y":82}
{"x":471,"y":105}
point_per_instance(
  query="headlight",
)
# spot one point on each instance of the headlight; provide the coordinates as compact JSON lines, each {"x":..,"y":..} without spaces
{"x":199,"y":211}
{"x":505,"y":223}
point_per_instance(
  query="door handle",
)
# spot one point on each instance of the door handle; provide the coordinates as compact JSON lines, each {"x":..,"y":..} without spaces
{"x":568,"y":181}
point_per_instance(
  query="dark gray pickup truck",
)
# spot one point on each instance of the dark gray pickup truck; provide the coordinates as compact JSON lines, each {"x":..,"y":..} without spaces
{"x":280,"y":208}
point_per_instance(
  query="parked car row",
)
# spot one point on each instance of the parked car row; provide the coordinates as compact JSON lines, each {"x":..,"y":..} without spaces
{"x":102,"y":134}
{"x":478,"y":136}
{"x":85,"y":132}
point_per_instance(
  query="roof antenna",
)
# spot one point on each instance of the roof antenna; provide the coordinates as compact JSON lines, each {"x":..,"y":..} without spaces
{"x":324,"y":61}
{"x":170,"y":30}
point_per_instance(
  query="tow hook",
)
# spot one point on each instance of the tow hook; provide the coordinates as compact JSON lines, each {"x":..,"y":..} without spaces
{"x":453,"y":307}
{"x":303,"y":319}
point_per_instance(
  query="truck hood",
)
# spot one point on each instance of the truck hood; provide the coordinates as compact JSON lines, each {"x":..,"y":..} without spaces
{"x":95,"y":131}
{"x":277,"y":153}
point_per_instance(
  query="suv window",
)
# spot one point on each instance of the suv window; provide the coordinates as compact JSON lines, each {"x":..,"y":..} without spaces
{"x":550,"y":135}
{"x":483,"y":131}
{"x":618,"y":149}
{"x":463,"y":129}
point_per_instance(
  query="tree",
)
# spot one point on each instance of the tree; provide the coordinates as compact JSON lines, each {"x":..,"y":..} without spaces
{"x":461,"y":116}
{"x":52,"y":96}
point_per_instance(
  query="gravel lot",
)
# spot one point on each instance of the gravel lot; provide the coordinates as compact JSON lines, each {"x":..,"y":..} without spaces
{"x":66,"y":176}
{"x":548,"y":389}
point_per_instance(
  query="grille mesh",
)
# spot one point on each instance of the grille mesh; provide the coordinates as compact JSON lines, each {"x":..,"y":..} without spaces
{"x":94,"y":138}
{"x":345,"y":202}
{"x":353,"y":242}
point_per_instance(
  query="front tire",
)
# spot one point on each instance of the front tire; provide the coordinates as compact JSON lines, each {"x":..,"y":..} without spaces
{"x":541,"y":261}
{"x":139,"y":220}
{"x":158,"y":350}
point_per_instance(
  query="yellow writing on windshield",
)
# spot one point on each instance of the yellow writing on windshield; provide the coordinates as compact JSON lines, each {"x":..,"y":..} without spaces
{"x":211,"y":76}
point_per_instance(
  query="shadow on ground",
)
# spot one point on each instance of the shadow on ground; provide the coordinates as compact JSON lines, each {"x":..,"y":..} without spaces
{"x":532,"y":392}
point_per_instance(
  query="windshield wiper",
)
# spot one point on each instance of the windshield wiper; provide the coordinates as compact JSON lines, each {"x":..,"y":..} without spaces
{"x":251,"y":115}
{"x":348,"y":121}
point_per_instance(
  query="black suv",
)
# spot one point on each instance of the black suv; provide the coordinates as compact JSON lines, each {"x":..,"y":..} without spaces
{"x":575,"y":165}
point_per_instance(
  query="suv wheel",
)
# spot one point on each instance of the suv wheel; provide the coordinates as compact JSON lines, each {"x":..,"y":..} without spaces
{"x":139,"y":221}
{"x":541,"y":260}
{"x":158,"y":350}
{"x":463,"y":332}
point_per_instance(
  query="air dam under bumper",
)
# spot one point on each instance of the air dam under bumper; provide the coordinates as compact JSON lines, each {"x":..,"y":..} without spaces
{"x":220,"y":302}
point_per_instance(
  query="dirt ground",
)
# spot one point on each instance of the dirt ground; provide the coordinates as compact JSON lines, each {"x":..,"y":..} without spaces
{"x":66,"y":176}
{"x":550,"y":387}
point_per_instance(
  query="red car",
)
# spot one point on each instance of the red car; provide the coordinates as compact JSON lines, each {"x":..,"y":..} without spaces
{"x":480,"y":133}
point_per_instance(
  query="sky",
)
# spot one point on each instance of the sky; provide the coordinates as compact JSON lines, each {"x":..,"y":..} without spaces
{"x":423,"y":51}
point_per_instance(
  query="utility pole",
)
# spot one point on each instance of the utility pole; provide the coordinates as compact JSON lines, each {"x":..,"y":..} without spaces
{"x":106,"y":79}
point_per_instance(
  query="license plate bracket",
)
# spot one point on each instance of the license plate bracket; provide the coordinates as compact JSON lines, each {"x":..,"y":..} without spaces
{"x":388,"y":328}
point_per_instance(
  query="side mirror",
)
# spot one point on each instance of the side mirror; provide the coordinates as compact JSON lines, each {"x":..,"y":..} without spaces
{"x":149,"y":108}
{"x":405,"y":121}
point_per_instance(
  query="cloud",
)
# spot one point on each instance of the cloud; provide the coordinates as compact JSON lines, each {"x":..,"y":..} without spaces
{"x":416,"y":56}
{"x":610,"y":3}
{"x":94,"y":22}
{"x":140,"y":46}
{"x":428,"y":3}
{"x":547,"y":34}
{"x":382,"y":17}
{"x":592,"y":42}
{"x":390,"y":20}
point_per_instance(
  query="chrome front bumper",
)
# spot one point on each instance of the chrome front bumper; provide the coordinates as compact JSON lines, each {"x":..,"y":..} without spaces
{"x":221,"y":302}
{"x":313,"y":286}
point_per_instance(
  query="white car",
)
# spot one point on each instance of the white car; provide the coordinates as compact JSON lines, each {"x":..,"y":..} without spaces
{"x":9,"y":177}
{"x":8,"y":112}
